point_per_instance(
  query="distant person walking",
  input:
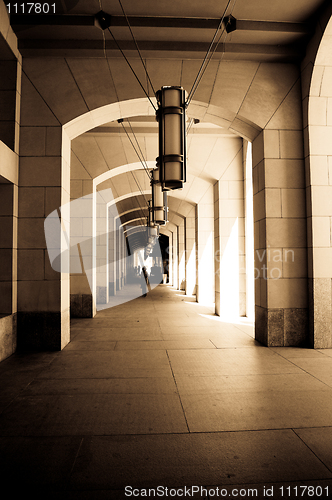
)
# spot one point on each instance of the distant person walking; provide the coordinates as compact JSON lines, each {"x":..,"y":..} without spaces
{"x":145,"y":281}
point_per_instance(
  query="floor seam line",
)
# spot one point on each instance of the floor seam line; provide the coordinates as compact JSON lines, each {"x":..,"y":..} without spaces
{"x":307,"y":446}
{"x":178,"y":393}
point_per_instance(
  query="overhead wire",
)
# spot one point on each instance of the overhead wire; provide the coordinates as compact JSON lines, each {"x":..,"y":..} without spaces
{"x":140,"y":55}
{"x":142,"y":160}
{"x":208,"y":57}
{"x":132,"y":69}
{"x":144,"y":163}
{"x":136,"y":45}
{"x":134,"y":177}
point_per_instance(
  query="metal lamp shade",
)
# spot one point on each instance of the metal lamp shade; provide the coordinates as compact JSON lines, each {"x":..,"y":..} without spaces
{"x":172,"y":137}
{"x":159,"y":200}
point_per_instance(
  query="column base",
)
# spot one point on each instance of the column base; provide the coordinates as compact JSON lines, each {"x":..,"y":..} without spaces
{"x":81,"y":305}
{"x":282,"y":327}
{"x":42,"y":331}
{"x":8,"y":335}
{"x":320,"y":306}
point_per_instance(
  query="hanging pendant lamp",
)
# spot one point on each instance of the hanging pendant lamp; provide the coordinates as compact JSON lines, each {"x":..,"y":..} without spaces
{"x":171,"y":116}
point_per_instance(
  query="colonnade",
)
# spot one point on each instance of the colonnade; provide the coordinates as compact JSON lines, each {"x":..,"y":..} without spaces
{"x":281,"y":110}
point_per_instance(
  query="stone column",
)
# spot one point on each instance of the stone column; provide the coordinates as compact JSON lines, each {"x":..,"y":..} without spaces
{"x":181,"y":257}
{"x":102,"y":272}
{"x":204,"y":229}
{"x":248,"y":263}
{"x":112,"y":254}
{"x":10,"y":96}
{"x":317,"y":113}
{"x":190,"y":253}
{"x":8,"y":269}
{"x":117,"y":254}
{"x":44,"y":186}
{"x":280,"y":238}
{"x":175,"y":258}
{"x":230,"y":283}
{"x":82,"y":266}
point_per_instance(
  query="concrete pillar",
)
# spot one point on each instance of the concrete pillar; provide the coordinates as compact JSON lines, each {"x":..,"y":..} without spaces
{"x":102,"y":274}
{"x":317,"y":109}
{"x":230,"y":283}
{"x":125,"y":262}
{"x":112,"y":255}
{"x":190,"y":253}
{"x":204,"y":229}
{"x":175,"y":258}
{"x":181,"y":257}
{"x":117,"y":254}
{"x":82,"y":268}
{"x":280,"y":238}
{"x":44,"y":186}
{"x":123,"y":259}
{"x":170,"y":259}
{"x":8,"y":268}
{"x":10,"y":98}
{"x":249,"y":263}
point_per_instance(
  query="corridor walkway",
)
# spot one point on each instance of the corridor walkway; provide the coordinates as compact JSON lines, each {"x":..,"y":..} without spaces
{"x":160,"y":392}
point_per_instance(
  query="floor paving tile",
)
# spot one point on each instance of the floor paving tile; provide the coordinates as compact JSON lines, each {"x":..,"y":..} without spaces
{"x":93,"y":414}
{"x":319,"y":440}
{"x":33,"y":464}
{"x":222,"y":341}
{"x":320,"y":368}
{"x":85,"y":345}
{"x":327,"y":352}
{"x":109,"y":364}
{"x":253,"y":411}
{"x":229,"y":362}
{"x":248,"y":383}
{"x":194,"y":459}
{"x":161,"y":385}
{"x":121,"y":333}
{"x":161,"y":391}
{"x":295,"y":352}
{"x":195,"y":343}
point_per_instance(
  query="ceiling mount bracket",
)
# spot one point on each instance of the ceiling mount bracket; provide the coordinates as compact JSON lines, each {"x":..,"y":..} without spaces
{"x":230,"y":23}
{"x":103,"y":20}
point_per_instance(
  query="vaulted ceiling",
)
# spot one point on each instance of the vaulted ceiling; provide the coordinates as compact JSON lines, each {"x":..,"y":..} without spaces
{"x":265,"y":30}
{"x":179,"y":30}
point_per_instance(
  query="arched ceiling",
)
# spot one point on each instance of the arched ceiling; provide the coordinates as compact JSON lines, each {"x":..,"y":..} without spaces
{"x":102,"y":150}
{"x":173,"y":37}
{"x":169,"y":28}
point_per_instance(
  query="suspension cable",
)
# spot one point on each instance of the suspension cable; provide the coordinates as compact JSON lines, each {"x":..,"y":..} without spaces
{"x":134,"y":177}
{"x":139,"y":147}
{"x":132,"y":69}
{"x":206,"y":60}
{"x":142,"y":160}
{"x":137,"y":48}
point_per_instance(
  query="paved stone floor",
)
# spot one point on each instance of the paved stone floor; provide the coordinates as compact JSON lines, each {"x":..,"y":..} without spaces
{"x":160,"y":392}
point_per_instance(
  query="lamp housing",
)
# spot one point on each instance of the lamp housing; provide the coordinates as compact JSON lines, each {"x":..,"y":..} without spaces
{"x":171,"y":117}
{"x":159,"y":200}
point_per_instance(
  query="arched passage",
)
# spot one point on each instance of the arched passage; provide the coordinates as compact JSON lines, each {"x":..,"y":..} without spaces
{"x":317,"y":94}
{"x":273,"y":140}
